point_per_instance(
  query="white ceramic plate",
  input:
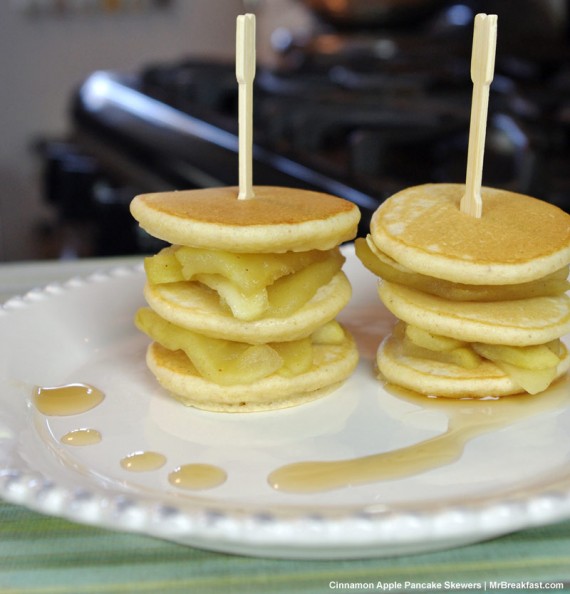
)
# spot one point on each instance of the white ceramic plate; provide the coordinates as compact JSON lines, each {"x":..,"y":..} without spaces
{"x":514,"y":476}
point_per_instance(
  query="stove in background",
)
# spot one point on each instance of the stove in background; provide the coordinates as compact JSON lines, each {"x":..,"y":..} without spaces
{"x":359,"y":114}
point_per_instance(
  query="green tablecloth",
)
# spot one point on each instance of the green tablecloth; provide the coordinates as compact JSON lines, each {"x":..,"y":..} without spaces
{"x":46,"y":554}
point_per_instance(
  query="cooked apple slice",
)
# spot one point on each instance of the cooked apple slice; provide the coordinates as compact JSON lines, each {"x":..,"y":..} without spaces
{"x":244,"y":306}
{"x":283,"y":297}
{"x":331,"y":333}
{"x":163,"y":267}
{"x":249,"y":272}
{"x":550,"y":285}
{"x":385,"y":267}
{"x":463,"y":356}
{"x":556,"y":347}
{"x":290,"y":293}
{"x":527,"y":357}
{"x":532,"y":381}
{"x":221,"y":361}
{"x":297,"y":356}
{"x":433,"y":342}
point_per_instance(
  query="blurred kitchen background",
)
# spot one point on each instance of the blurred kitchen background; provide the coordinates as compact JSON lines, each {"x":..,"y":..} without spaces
{"x":104,"y":99}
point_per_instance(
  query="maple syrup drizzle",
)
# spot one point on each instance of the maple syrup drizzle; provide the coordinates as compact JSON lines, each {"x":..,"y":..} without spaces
{"x":196,"y":477}
{"x":143,"y":461}
{"x":74,"y":399}
{"x":67,"y":400}
{"x":81,"y":437}
{"x":467,"y":419}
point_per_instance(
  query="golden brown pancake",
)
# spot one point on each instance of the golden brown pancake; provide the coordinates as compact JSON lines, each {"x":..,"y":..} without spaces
{"x":275,"y":221}
{"x":192,"y":306}
{"x":332,"y":364}
{"x":434,"y":378}
{"x":519,"y":323}
{"x":517,"y":239}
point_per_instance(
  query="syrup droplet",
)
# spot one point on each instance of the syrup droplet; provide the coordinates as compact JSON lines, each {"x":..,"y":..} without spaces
{"x":71,"y":399}
{"x":467,"y":419}
{"x":81,"y":437}
{"x":143,"y":461}
{"x":197,"y":476}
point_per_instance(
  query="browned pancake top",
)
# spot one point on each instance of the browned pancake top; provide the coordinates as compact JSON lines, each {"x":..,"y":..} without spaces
{"x":270,"y":206}
{"x":514,"y":228}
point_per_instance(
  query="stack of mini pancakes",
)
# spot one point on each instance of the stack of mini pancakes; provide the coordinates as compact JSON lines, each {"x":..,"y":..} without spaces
{"x":481,"y":302}
{"x":242,"y":304}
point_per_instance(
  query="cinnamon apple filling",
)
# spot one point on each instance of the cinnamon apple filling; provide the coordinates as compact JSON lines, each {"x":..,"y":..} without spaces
{"x":251,"y":286}
{"x":227,"y":362}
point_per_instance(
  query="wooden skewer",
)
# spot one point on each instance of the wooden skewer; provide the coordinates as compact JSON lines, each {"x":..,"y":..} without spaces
{"x":245,"y":73}
{"x":482,"y":69}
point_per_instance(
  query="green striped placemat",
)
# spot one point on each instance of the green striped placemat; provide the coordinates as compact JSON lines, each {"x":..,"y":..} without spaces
{"x":51,"y":555}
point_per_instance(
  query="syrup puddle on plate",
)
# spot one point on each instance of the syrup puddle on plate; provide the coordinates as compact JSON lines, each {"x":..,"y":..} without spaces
{"x":74,"y":399}
{"x":143,"y":461}
{"x":466,"y":419}
{"x":71,"y":399}
{"x":197,"y":476}
{"x":81,"y":437}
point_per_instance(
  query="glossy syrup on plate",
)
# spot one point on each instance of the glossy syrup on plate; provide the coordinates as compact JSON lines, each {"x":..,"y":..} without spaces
{"x":77,"y":398}
{"x":466,"y":419}
{"x":197,"y":476}
{"x":81,"y":437}
{"x":143,"y":461}
{"x":67,"y":400}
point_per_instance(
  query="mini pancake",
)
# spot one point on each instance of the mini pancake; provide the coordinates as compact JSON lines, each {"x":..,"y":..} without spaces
{"x":276,"y":220}
{"x":521,"y":322}
{"x":448,"y":381}
{"x":518,"y":238}
{"x":332,"y":364}
{"x":190,"y":305}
